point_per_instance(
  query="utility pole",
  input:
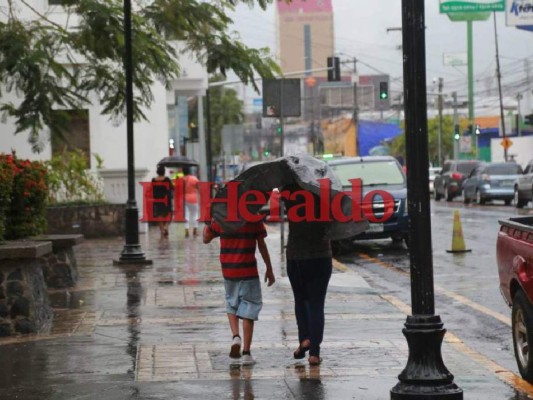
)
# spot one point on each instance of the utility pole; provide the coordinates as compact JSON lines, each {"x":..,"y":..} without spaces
{"x":441,"y":81}
{"x":498,"y":73}
{"x":455,"y":123}
{"x":518,"y":127}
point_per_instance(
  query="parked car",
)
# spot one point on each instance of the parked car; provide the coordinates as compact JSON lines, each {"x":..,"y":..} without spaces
{"x":491,"y":181}
{"x":378,"y":173}
{"x":449,"y":182}
{"x":433,"y":171}
{"x":514,"y":252}
{"x":523,"y":189}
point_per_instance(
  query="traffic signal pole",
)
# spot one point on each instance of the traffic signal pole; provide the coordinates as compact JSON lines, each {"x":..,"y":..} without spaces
{"x":455,"y":127}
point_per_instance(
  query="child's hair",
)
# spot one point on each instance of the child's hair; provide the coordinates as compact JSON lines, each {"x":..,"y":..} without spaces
{"x":160,"y":170}
{"x":186,"y":170}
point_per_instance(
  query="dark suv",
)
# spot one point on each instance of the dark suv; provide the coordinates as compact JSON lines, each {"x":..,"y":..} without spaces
{"x":449,"y":183}
{"x":378,"y":173}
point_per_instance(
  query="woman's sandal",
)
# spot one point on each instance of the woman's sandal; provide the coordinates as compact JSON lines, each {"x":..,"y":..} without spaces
{"x":299,"y":353}
{"x":314,"y":360}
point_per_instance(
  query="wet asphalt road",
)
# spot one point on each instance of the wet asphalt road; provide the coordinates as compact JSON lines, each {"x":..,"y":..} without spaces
{"x":467,"y":295}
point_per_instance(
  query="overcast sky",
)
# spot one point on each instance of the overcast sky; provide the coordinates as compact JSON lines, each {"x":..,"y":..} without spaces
{"x":360,"y":31}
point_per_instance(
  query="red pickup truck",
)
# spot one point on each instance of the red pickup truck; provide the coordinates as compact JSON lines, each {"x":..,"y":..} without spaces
{"x":514,"y":251}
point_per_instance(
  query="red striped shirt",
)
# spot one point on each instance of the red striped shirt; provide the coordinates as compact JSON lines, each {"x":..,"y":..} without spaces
{"x":237,"y":250}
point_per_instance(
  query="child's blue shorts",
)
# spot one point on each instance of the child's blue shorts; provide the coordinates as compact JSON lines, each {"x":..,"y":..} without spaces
{"x":243,"y":298}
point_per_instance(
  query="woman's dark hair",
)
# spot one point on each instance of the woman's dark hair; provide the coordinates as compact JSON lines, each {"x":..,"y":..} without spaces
{"x":160,"y":170}
{"x":186,"y":170}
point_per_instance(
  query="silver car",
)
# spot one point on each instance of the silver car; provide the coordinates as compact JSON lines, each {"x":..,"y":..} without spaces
{"x":523,"y":190}
{"x":491,"y":181}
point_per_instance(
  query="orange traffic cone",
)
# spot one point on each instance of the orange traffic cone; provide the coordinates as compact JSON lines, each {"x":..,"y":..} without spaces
{"x":458,"y":241}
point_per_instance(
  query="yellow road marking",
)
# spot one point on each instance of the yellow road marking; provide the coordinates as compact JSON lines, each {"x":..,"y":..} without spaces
{"x":502,"y":373}
{"x":462,"y":299}
{"x":340,"y":266}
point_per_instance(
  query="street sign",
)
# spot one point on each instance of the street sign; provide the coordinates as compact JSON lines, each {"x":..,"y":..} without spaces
{"x":272,"y":98}
{"x":471,"y":6}
{"x":455,"y":59}
{"x":465,"y":144}
{"x":506,"y":143}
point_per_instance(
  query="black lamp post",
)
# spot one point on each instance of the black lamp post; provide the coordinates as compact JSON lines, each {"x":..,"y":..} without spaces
{"x":425,"y":376}
{"x":132,"y":252}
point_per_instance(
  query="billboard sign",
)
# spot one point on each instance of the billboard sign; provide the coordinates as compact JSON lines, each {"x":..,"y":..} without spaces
{"x":519,"y":12}
{"x":451,"y":6}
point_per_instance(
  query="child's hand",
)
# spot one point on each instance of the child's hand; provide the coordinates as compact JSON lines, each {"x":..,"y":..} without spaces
{"x":269,"y":276}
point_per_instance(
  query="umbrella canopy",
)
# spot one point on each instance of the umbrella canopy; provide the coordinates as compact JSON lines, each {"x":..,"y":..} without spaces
{"x":177,"y":161}
{"x":301,"y":171}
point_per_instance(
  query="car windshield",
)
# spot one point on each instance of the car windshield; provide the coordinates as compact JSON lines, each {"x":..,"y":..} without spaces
{"x":504,"y":169}
{"x":373,"y":173}
{"x":466,"y":168}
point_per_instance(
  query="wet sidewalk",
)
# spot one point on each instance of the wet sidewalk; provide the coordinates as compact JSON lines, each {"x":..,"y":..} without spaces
{"x":161,"y":332}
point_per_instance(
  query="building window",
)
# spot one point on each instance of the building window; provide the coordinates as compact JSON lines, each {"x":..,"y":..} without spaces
{"x":75,"y":136}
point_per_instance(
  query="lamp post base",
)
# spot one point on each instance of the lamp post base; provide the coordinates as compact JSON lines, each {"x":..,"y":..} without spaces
{"x":425,"y":376}
{"x":132,"y":252}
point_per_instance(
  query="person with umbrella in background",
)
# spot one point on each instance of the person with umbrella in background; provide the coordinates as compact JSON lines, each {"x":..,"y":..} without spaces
{"x":162,"y":190}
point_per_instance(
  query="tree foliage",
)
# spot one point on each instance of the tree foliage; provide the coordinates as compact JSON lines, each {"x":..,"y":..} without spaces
{"x":398,"y":145}
{"x":51,"y":66}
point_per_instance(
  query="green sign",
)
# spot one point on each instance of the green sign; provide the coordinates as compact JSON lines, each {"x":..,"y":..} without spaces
{"x":471,"y":6}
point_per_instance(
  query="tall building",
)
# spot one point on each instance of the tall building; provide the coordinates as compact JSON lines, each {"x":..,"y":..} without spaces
{"x":305,"y":35}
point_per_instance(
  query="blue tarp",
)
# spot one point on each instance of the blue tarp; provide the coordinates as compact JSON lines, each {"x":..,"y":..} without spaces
{"x":372,"y":134}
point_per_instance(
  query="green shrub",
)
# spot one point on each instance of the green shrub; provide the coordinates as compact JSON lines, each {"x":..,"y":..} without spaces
{"x":7,"y":172}
{"x":71,"y":180}
{"x":26,"y":214}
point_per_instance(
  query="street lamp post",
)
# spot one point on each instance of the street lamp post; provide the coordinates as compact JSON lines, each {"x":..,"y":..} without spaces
{"x":425,"y":376}
{"x":132,"y":252}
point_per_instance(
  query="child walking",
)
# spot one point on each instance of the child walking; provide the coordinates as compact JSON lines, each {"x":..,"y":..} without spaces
{"x":241,"y":280}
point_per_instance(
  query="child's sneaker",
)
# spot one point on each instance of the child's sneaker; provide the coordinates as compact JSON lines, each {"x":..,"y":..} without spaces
{"x":247,"y":359}
{"x":235,"y":351}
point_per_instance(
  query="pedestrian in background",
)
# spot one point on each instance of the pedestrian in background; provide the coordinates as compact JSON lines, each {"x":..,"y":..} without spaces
{"x":241,"y":280}
{"x":309,"y":267}
{"x":162,"y":190}
{"x":191,"y":189}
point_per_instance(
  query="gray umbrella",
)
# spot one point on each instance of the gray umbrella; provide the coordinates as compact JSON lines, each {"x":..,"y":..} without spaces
{"x":301,"y":171}
{"x":177,"y":161}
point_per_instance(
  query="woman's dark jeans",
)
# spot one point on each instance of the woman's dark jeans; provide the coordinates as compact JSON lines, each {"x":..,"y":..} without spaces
{"x":309,"y":281}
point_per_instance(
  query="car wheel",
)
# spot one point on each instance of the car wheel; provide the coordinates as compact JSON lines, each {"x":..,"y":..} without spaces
{"x":466,"y":200}
{"x":480,"y":200}
{"x":518,"y":202}
{"x":522,"y":327}
{"x":447,"y":195}
{"x":508,"y":202}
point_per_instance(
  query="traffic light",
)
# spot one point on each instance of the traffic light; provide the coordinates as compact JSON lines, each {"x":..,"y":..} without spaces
{"x":279,"y":131}
{"x":334,"y":69}
{"x":528,"y":119}
{"x":456,"y":134}
{"x":383,"y":90}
